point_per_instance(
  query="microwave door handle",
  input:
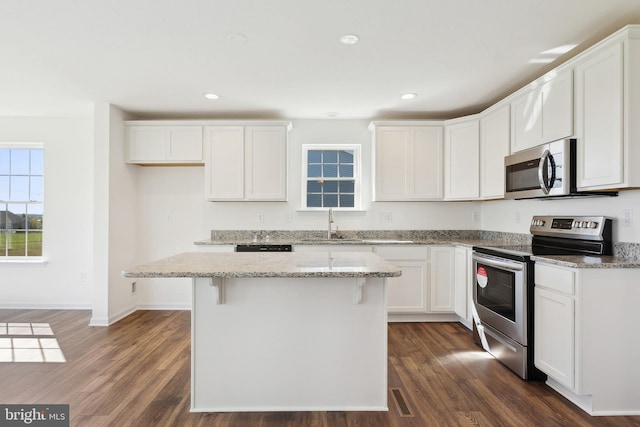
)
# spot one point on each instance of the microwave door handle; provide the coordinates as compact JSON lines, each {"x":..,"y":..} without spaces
{"x":541,"y":166}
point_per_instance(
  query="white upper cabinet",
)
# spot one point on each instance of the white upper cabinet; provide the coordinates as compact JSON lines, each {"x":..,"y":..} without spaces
{"x":224,"y":164}
{"x":462,"y":159}
{"x":495,"y":137}
{"x":246,"y":163}
{"x":160,"y":144}
{"x":607,"y":108}
{"x":543,"y":111}
{"x":407,"y":162}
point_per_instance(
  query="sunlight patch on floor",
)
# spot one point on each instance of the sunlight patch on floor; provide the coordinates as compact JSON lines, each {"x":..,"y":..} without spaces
{"x":41,"y":346}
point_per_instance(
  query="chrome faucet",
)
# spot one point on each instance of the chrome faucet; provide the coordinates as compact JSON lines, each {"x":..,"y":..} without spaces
{"x":329,"y":232}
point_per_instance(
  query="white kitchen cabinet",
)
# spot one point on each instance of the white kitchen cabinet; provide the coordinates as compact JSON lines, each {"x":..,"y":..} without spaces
{"x":246,"y":163}
{"x":409,"y":292}
{"x":441,"y":284}
{"x":543,"y":111}
{"x":216,"y":248}
{"x":407,"y":162}
{"x":462,"y":283}
{"x":495,"y":138}
{"x":157,"y":144}
{"x":585,"y":320}
{"x":607,"y":101}
{"x":555,"y":335}
{"x":462,"y":159}
{"x":333,"y":248}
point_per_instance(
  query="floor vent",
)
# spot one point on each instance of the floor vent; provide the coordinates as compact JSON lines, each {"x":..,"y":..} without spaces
{"x":401,"y":403}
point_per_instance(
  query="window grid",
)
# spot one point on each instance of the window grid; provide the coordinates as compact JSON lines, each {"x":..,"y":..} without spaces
{"x":21,"y":201}
{"x":331,"y":177}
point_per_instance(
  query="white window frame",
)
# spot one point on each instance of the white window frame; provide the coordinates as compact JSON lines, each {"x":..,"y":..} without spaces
{"x":357,"y":174}
{"x":25,"y":258}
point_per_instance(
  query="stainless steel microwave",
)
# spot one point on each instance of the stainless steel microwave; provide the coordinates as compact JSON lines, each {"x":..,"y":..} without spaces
{"x":544,"y":171}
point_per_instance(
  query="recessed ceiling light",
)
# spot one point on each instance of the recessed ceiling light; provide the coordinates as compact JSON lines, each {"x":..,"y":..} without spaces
{"x":408,"y":95}
{"x":349,"y":39}
{"x":333,"y":114}
{"x":211,"y":96}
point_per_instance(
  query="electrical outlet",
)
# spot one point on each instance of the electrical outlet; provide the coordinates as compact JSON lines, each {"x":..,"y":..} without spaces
{"x":133,"y":288}
{"x":83,"y":277}
{"x":260,"y":217}
{"x":384,"y":217}
{"x":289,"y":217}
{"x":517,"y":217}
{"x":627,"y":218}
{"x":168,"y":217}
{"x":475,"y":216}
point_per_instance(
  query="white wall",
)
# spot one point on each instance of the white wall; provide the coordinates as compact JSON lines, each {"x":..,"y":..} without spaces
{"x":502,"y":215}
{"x":65,"y":281}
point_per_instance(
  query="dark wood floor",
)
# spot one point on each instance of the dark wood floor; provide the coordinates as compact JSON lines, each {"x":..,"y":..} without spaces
{"x":136,"y":373}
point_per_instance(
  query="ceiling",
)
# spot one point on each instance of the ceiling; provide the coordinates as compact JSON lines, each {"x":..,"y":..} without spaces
{"x":284,"y":58}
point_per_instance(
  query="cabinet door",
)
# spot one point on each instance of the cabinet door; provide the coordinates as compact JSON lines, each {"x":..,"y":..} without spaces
{"x":441,"y":294}
{"x":427,"y":163}
{"x":462,"y":161}
{"x":408,"y":163}
{"x":224,"y":165}
{"x":408,"y":293}
{"x":495,"y":136}
{"x":599,"y":119}
{"x":526,"y":121}
{"x":266,"y":163}
{"x":462,"y":286}
{"x":147,"y":144}
{"x":557,"y":107}
{"x":554,"y":336}
{"x":184,"y":144}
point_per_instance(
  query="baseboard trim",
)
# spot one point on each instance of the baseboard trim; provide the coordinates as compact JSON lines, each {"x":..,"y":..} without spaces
{"x":164,"y":307}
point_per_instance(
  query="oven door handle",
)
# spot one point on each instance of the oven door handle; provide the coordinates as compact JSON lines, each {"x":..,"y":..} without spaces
{"x":499,"y":264}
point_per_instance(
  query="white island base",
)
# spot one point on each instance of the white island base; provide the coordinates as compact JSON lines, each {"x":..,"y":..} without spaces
{"x":289,"y":344}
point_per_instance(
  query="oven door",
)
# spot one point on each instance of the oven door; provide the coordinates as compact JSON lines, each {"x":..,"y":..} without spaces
{"x":499,"y":295}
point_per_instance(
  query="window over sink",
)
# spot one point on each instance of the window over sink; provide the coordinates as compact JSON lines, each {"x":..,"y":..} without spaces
{"x":331,"y":176}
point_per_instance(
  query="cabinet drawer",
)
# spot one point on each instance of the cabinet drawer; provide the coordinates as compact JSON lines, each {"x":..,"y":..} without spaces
{"x":402,"y":252}
{"x":558,"y":279}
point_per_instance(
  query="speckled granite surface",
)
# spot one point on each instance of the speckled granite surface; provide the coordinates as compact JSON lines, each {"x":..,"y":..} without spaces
{"x":290,"y":264}
{"x":626,"y":255}
{"x":359,"y":237}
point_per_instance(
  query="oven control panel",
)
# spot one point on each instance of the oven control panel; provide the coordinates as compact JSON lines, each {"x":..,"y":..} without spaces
{"x":577,"y":227}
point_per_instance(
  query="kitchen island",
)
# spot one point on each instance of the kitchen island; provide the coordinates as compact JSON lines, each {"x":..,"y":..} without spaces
{"x":285,"y":331}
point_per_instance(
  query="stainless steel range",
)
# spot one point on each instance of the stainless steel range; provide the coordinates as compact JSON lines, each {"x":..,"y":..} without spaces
{"x":503,"y":291}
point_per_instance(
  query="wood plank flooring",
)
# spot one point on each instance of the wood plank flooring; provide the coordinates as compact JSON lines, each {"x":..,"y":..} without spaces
{"x":136,"y":373}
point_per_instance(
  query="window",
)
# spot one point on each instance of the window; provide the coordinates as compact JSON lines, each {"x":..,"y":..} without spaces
{"x":331,"y":176}
{"x":21,"y":197}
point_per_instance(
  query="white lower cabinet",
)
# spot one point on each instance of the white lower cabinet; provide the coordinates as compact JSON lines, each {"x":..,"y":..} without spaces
{"x":554,"y":323}
{"x":462,"y":283}
{"x":585,"y":329}
{"x":441,"y":293}
{"x":407,"y":293}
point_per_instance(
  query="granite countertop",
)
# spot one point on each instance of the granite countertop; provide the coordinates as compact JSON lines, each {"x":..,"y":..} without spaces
{"x":627,"y":255}
{"x":274,"y":264}
{"x":581,"y":261}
